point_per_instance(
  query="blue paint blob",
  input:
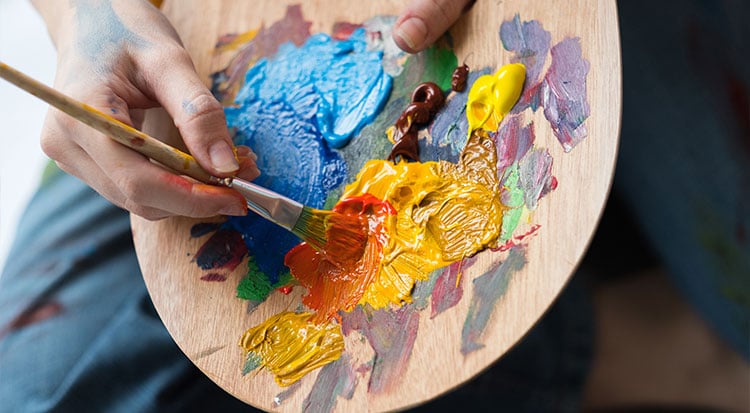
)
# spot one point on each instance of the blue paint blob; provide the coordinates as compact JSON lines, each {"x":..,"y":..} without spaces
{"x":337,"y":82}
{"x":294,"y":161}
{"x":292,"y":108}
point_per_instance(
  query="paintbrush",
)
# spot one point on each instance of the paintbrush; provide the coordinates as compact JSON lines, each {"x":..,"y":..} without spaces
{"x":309,"y":224}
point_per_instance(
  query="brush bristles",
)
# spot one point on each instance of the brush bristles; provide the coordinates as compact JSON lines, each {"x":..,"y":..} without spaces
{"x":343,"y":234}
{"x":311,"y":226}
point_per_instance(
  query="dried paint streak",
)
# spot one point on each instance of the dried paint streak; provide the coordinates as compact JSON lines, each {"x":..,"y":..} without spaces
{"x":335,"y":380}
{"x":290,"y":345}
{"x":513,"y":142}
{"x":291,"y":28}
{"x":337,"y":276}
{"x":488,"y":289}
{"x":280,"y":398}
{"x":220,"y":255}
{"x":563,"y":93}
{"x":391,"y":333}
{"x":535,"y":176}
{"x":449,"y":289}
{"x":562,"y":90}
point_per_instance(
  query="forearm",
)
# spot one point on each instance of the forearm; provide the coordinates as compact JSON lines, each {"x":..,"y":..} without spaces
{"x":55,"y":14}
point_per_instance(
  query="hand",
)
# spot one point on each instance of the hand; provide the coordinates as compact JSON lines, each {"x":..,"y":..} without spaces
{"x":424,"y":21}
{"x":122,"y":57}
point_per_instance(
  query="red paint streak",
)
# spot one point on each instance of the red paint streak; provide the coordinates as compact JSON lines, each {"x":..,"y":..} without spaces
{"x":285,"y":289}
{"x":137,"y":141}
{"x":517,"y":240}
{"x":337,"y":276}
{"x":553,"y":183}
{"x":343,"y":30}
{"x":33,"y":314}
{"x":214,"y":277}
{"x":172,"y":180}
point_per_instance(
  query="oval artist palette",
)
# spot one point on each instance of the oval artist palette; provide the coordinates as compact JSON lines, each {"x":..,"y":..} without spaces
{"x":300,"y":81}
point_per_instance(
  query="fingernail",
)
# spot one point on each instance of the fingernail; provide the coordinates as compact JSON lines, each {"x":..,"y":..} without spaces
{"x":233,"y":210}
{"x":222,"y":157}
{"x":413,"y":32}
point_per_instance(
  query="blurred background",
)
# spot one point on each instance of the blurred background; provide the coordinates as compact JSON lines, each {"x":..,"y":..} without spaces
{"x":25,"y":45}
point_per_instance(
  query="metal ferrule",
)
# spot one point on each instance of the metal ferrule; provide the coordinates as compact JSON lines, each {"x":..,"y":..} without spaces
{"x":268,"y":204}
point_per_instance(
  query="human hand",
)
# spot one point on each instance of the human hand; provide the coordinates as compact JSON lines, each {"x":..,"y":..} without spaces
{"x":424,"y":21}
{"x":123,"y":57}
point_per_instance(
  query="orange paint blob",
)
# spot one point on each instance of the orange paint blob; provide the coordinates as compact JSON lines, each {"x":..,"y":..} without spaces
{"x":337,"y":275}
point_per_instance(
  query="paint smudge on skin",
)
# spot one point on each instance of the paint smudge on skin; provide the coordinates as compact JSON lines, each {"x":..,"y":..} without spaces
{"x":391,"y":333}
{"x":289,"y":345}
{"x":291,"y":28}
{"x":220,"y":255}
{"x":488,"y":289}
{"x":337,"y":379}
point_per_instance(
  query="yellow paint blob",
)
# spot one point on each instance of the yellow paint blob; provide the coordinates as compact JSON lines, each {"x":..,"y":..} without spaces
{"x":493,"y":96}
{"x":446,"y":212}
{"x":291,"y":346}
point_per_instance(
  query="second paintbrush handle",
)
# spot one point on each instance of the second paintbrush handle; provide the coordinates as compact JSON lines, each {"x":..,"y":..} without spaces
{"x":140,"y":142}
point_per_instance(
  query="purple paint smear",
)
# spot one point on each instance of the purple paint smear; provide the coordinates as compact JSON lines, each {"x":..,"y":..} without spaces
{"x":512,"y":142}
{"x":291,"y":28}
{"x":535,"y":174}
{"x":563,"y":93}
{"x":334,"y":380}
{"x":221,"y":254}
{"x":449,"y":286}
{"x":391,"y":333}
{"x":562,"y":90}
{"x":280,"y":398}
{"x":488,"y":289}
{"x":529,"y":43}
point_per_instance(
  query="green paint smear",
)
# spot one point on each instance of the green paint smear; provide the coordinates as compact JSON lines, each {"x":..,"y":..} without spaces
{"x":256,"y":286}
{"x":440,"y":65}
{"x":515,"y":203}
{"x":252,"y":362}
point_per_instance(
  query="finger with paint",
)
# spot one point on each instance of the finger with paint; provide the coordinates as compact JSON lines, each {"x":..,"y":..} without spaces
{"x":423,"y":21}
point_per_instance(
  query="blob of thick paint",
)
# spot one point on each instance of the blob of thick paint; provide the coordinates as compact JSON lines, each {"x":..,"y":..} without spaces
{"x":290,"y":345}
{"x":336,"y":276}
{"x":446,"y":212}
{"x":493,"y":96}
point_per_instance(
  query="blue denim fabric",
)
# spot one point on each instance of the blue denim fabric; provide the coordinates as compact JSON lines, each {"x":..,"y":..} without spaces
{"x":78,"y":332}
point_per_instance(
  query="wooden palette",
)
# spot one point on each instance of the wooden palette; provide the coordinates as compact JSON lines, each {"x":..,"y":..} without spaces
{"x":206,"y":319}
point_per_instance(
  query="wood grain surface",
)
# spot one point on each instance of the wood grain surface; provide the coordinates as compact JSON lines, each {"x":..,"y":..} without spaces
{"x":206,"y":320}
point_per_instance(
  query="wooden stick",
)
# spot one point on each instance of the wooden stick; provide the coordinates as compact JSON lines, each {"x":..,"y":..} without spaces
{"x":146,"y":145}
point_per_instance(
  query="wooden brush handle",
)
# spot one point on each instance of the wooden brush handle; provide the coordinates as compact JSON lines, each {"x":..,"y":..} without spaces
{"x":153,"y":148}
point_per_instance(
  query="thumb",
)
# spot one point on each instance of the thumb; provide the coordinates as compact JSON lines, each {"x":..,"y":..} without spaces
{"x":198,"y":116}
{"x":424,"y":21}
